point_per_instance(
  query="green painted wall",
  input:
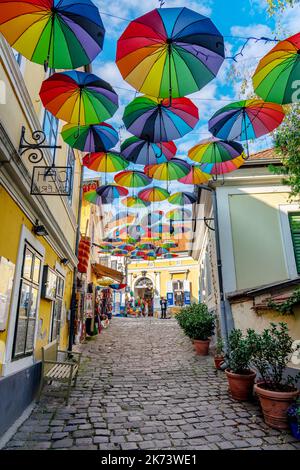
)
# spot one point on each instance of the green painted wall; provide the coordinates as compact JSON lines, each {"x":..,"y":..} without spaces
{"x":257,"y":241}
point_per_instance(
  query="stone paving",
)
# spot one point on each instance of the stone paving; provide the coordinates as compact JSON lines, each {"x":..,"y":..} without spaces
{"x":142,"y":387}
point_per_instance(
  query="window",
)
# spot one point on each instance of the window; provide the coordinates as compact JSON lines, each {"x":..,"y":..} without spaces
{"x":50,"y":128}
{"x":294,"y":219}
{"x":27,"y":303}
{"x":57,"y":308}
{"x":178,"y":291}
{"x":71,"y":164}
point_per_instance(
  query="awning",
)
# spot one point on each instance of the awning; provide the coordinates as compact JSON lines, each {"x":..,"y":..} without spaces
{"x":101,"y":271}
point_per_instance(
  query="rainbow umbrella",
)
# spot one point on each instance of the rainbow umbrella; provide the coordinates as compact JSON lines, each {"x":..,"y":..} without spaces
{"x":93,"y":138}
{"x":195,"y":176}
{"x":146,"y":246}
{"x":171,"y":170}
{"x":106,"y":245}
{"x":161,"y":251}
{"x":169,"y":244}
{"x":92,"y":197}
{"x":278,"y":72}
{"x":138,"y":253}
{"x":134,"y":201}
{"x":118,"y":252}
{"x":154,"y":194}
{"x":182,"y":198}
{"x":158,"y":120}
{"x":132,"y":179}
{"x":105,"y":162}
{"x":150,"y":257}
{"x":126,"y":247}
{"x":218,"y":156}
{"x":109,"y":192}
{"x":57,"y":33}
{"x":247,"y":119}
{"x":170,"y":255}
{"x":118,"y":286}
{"x":176,"y":214}
{"x":112,"y":239}
{"x":142,"y":152}
{"x":170,"y":52}
{"x":78,"y":97}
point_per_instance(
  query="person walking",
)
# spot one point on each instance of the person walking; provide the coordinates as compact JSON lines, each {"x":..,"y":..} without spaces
{"x":163,"y":306}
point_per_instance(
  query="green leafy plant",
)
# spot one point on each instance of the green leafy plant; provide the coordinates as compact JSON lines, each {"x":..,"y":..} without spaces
{"x":220,"y":347}
{"x":239,"y":352}
{"x":286,"y":308}
{"x":196,"y":321}
{"x":271,"y":351}
{"x":275,"y":6}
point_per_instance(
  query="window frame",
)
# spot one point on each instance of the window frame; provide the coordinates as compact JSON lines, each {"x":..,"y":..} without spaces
{"x":59,"y":297}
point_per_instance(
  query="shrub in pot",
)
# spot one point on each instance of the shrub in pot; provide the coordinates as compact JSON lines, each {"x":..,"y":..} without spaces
{"x":239,"y":375}
{"x":199,"y":325}
{"x":271,"y":351}
{"x":219,"y":353}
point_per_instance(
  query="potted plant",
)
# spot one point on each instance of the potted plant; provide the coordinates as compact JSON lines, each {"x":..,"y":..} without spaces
{"x":239,"y":375}
{"x":293,"y":416}
{"x":271,"y":351}
{"x":219,"y":353}
{"x":199,"y":325}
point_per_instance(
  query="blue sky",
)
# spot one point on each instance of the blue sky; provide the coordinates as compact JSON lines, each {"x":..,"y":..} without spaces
{"x":236,"y":18}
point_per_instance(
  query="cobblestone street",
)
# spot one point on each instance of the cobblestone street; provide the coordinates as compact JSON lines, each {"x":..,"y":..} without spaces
{"x":142,"y":387}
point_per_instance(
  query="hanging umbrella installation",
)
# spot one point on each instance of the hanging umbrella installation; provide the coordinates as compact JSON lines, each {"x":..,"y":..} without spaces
{"x":110,"y":192}
{"x":158,"y":120}
{"x":196,"y":176}
{"x":143,"y":152}
{"x":171,"y":170}
{"x":105,"y":162}
{"x":277,"y":72}
{"x":92,"y":138}
{"x":57,"y":34}
{"x":79,"y":98}
{"x":153,"y":194}
{"x":134,"y":202}
{"x":159,"y":48}
{"x":132,"y":179}
{"x":218,"y":157}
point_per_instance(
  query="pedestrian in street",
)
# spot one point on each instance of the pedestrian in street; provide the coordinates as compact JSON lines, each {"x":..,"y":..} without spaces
{"x":163,"y":306}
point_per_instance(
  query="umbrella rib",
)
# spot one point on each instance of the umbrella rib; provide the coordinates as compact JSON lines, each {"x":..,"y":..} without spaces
{"x":33,"y":23}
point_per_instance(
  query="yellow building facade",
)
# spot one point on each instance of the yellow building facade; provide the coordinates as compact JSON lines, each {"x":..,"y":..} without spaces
{"x":36,"y":268}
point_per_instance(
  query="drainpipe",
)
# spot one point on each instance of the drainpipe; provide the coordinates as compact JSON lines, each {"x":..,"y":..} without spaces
{"x":225,"y":310}
{"x":74,"y":286}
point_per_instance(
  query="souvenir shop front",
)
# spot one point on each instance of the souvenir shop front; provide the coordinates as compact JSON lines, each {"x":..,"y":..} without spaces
{"x":94,"y":299}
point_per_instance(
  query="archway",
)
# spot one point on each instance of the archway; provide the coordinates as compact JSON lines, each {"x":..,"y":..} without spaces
{"x":144,"y":289}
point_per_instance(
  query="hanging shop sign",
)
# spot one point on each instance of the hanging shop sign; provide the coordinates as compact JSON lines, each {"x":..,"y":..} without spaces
{"x":90,"y":185}
{"x":49,"y":283}
{"x":170,"y":299}
{"x":51,"y":181}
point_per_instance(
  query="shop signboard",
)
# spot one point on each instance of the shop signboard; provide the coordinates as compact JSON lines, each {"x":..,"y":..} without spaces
{"x":51,"y":180}
{"x":187,"y":298}
{"x":170,"y":299}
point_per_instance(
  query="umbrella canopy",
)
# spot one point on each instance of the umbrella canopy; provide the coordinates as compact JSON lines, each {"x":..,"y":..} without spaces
{"x":92,"y":197}
{"x":247,"y":119}
{"x":150,"y":257}
{"x":146,"y":246}
{"x":106,"y":162}
{"x":182,"y":198}
{"x":171,"y":170}
{"x":179,"y":214}
{"x":138,"y":253}
{"x":143,"y":152}
{"x":94,"y":138}
{"x":134,"y":201}
{"x":118,"y":252}
{"x":117,"y":286}
{"x":170,"y":255}
{"x":78,"y":97}
{"x":126,"y":247}
{"x":161,"y":47}
{"x":218,"y":156}
{"x":195,"y":176}
{"x":169,"y":244}
{"x":276,"y":74}
{"x":132,"y":179}
{"x":159,"y":120}
{"x":109,"y":192}
{"x":161,"y":251}
{"x":154,"y":194}
{"x":59,"y":34}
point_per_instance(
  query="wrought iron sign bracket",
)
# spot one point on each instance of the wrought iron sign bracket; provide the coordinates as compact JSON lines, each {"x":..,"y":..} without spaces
{"x":36,"y":147}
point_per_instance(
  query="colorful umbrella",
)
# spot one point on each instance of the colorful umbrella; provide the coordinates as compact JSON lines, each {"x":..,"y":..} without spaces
{"x":106,"y":245}
{"x":157,"y":120}
{"x":276,"y":76}
{"x":109,"y":192}
{"x":134,"y":201}
{"x":78,"y":97}
{"x":170,"y":52}
{"x":118,"y":252}
{"x":150,"y":257}
{"x":118,"y":286}
{"x":161,"y":251}
{"x":94,"y":138}
{"x":170,"y":255}
{"x":138,"y":253}
{"x":245,"y":120}
{"x":126,"y":247}
{"x":154,"y":194}
{"x":132,"y":179}
{"x":143,"y":152}
{"x":106,"y":162}
{"x":171,"y":170}
{"x":169,"y":244}
{"x":177,"y":214}
{"x":59,"y":34}
{"x":146,"y":246}
{"x":218,"y":156}
{"x":92,"y":197}
{"x":195,"y":176}
{"x":182,"y":198}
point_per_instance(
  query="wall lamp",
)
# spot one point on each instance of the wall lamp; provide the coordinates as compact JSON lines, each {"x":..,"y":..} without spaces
{"x":64,"y":261}
{"x":39,"y":230}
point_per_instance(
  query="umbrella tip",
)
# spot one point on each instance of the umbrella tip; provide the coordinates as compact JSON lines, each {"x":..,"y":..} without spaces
{"x":46,"y":65}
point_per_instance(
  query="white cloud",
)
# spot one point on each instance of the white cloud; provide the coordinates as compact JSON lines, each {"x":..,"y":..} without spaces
{"x":288,"y":21}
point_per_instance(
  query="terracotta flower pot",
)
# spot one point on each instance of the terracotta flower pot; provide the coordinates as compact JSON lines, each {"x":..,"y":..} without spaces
{"x":218,"y":361}
{"x":201,"y":347}
{"x":274,"y":405}
{"x":241,"y":385}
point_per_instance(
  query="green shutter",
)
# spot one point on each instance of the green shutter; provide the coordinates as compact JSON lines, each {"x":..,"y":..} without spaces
{"x":294,"y":218}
